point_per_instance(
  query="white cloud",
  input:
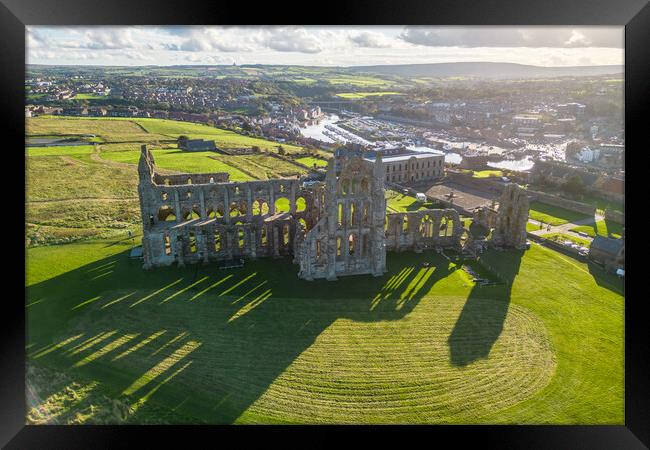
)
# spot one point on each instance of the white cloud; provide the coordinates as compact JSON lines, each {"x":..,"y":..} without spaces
{"x":329,"y":45}
{"x":370,"y":40}
{"x":290,"y":40}
{"x":514,"y":37}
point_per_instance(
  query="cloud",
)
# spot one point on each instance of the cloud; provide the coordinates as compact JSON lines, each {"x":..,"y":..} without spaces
{"x":290,"y":40}
{"x":370,"y":40}
{"x":561,"y":37}
{"x":211,"y":39}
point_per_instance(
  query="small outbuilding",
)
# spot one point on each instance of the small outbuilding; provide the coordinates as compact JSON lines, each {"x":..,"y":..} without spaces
{"x":196,"y":145}
{"x":608,"y":252}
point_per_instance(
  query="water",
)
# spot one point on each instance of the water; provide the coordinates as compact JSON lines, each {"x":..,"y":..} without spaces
{"x":318,"y":131}
{"x":520,"y":165}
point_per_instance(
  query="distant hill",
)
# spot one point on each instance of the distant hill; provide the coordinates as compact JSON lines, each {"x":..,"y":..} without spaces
{"x":487,"y":70}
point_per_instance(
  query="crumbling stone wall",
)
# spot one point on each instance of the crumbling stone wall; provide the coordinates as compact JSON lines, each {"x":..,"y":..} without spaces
{"x":199,"y":218}
{"x":332,"y":229}
{"x":512,"y":216}
{"x":424,"y":229}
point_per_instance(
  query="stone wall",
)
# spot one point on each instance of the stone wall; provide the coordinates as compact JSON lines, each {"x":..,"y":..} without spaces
{"x":615,"y":216}
{"x":424,"y":229}
{"x":202,"y":217}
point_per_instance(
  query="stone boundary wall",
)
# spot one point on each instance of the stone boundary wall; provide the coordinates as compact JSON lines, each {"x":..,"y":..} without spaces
{"x":554,"y":200}
{"x":572,"y":252}
{"x":615,"y":216}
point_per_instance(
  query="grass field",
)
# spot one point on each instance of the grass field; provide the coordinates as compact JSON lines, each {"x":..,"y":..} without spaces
{"x":145,"y":131}
{"x":63,"y":150}
{"x":419,"y":345}
{"x":396,"y":202}
{"x":601,"y":228}
{"x":89,"y":97}
{"x":309,"y":161}
{"x":357,"y":95}
{"x":553,"y":215}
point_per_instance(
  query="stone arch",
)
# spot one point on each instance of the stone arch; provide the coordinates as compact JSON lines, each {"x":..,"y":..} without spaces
{"x":352,"y":244}
{"x":166,"y":214}
{"x":282,"y":204}
{"x":364,"y":185}
{"x":233,"y":210}
{"x":301,"y":204}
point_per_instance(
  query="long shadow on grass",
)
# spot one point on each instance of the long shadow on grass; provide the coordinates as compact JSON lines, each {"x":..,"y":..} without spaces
{"x":481,"y":321}
{"x":204,"y":342}
{"x":605,"y":279}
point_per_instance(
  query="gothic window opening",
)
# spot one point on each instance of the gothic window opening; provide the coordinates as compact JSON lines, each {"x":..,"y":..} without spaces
{"x":351,"y":245}
{"x":192,"y":242}
{"x":168,"y":245}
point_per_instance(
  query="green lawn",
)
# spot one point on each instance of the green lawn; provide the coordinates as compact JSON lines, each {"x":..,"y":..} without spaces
{"x":309,"y":161}
{"x":553,"y":215}
{"x":142,"y":130}
{"x":396,"y":202}
{"x":487,"y":173}
{"x":601,"y":228}
{"x":89,"y":97}
{"x":357,"y":95}
{"x":531,"y":227}
{"x":64,"y":150}
{"x":257,"y":345}
{"x":175,"y":159}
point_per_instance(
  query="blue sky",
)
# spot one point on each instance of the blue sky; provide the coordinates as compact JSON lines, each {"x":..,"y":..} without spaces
{"x":323,"y":46}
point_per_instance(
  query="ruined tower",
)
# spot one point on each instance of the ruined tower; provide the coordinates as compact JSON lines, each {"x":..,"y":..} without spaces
{"x":512,"y":216}
{"x":349,"y":238}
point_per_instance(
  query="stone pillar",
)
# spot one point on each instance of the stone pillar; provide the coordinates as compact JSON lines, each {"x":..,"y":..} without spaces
{"x":226,"y":206}
{"x":177,"y":207}
{"x":202,"y":204}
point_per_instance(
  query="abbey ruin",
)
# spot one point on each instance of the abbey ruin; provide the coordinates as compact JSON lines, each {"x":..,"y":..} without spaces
{"x":332,"y":228}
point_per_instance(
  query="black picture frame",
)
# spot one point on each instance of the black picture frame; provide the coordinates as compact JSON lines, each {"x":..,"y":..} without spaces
{"x":633,"y":14}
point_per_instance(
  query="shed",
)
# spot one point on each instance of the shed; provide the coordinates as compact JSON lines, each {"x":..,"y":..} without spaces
{"x":607,"y":251}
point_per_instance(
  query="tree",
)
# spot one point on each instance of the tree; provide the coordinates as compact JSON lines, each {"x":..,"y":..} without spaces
{"x":256,"y":149}
{"x":182,"y":140}
{"x":574,"y":185}
{"x":281,"y":150}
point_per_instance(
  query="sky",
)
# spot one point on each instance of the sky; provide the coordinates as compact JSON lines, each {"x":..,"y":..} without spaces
{"x":323,"y":45}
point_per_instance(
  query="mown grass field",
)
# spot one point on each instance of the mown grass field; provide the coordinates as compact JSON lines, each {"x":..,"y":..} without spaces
{"x":553,"y":215}
{"x":257,"y":345}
